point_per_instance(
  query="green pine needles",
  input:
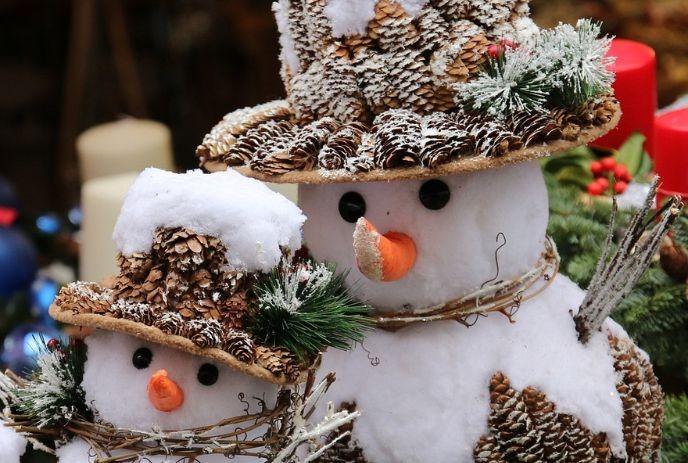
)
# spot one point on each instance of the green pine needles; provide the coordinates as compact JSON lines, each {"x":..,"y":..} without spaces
{"x":675,"y":446}
{"x":52,"y":394}
{"x":306,"y":308}
{"x":566,"y":67}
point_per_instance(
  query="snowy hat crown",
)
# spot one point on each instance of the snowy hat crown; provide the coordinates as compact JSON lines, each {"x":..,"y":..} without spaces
{"x":355,"y":59}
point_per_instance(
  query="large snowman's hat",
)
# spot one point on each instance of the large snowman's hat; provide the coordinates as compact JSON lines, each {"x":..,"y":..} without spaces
{"x":395,"y":89}
{"x":191,"y":248}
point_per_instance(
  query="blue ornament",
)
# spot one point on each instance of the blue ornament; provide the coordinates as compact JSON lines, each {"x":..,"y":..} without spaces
{"x":75,"y":216}
{"x":18,"y":262}
{"x":43,"y":293}
{"x":24,"y":343}
{"x":49,"y":224}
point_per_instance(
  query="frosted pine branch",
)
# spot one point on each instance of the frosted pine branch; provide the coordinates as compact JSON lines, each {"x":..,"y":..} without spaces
{"x":616,"y":277}
{"x":303,"y":433}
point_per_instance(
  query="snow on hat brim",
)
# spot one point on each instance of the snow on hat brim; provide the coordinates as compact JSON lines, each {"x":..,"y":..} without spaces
{"x":236,"y":124}
{"x":65,"y":311}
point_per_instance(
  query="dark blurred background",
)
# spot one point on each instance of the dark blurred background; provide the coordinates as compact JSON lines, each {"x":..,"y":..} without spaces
{"x":66,"y":66}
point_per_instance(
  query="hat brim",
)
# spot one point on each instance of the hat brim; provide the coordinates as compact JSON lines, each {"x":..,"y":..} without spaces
{"x":465,"y":164}
{"x":154,"y":335}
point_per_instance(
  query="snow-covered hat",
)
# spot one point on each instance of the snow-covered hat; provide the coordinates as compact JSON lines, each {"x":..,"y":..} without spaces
{"x":191,"y":247}
{"x":398,"y":89}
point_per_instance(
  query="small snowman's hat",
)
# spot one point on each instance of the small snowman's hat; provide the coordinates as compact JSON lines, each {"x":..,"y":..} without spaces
{"x":191,"y":247}
{"x":401,"y":89}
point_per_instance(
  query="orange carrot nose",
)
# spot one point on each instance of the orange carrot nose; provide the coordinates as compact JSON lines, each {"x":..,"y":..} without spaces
{"x":163,"y":393}
{"x":387,"y":257}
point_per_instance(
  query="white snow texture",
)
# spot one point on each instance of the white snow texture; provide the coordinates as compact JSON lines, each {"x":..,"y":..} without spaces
{"x":12,"y":445}
{"x":252,"y":221}
{"x":351,"y":17}
{"x":288,"y":54}
{"x":428,"y":400}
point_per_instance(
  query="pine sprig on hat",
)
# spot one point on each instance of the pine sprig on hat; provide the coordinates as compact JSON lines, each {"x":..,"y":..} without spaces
{"x":52,"y":394}
{"x":577,"y":62}
{"x":508,"y":84}
{"x":306,"y":308}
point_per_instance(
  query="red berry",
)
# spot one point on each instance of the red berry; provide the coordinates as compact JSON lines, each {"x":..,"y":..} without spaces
{"x":597,"y":168}
{"x":603,"y":182}
{"x":621,"y":172}
{"x":495,"y":51}
{"x":595,"y":189}
{"x":620,"y":187}
{"x":53,"y":344}
{"x":609,"y":164}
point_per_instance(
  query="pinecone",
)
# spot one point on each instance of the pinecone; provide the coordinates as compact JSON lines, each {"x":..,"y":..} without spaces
{"x":136,"y":266}
{"x":234,"y":309}
{"x":345,"y":101}
{"x":433,"y":29}
{"x":311,"y":139}
{"x":239,"y":344}
{"x":545,"y":419}
{"x":135,"y":311}
{"x":185,"y":251}
{"x":392,"y":27}
{"x":300,"y":34}
{"x":318,"y":25}
{"x":570,"y":127}
{"x":534,"y":128}
{"x":204,"y":333}
{"x":277,"y":361}
{"x":442,"y":140}
{"x":171,"y":323}
{"x":510,"y":423}
{"x":307,"y":92}
{"x":342,"y":145}
{"x":642,"y":400}
{"x":597,"y":112}
{"x":578,"y":440}
{"x":248,"y":145}
{"x":364,"y":160}
{"x":452,"y":10}
{"x":474,"y":53}
{"x":489,"y":13}
{"x":217,"y":144}
{"x":487,"y":451}
{"x":397,"y":139}
{"x":84,"y":298}
{"x":493,"y":139}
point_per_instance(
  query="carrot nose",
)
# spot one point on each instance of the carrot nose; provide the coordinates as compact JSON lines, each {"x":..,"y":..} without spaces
{"x":387,"y":257}
{"x":163,"y":393}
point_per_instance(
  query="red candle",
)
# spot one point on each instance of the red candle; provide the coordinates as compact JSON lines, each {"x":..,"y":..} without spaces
{"x":671,"y":152}
{"x":636,"y":89}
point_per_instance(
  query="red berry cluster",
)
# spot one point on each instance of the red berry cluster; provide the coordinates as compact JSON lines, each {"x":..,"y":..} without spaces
{"x":607,"y":171}
{"x":497,"y":50}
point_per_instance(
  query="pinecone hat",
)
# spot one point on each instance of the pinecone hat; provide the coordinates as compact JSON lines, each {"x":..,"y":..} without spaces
{"x":192,"y":248}
{"x":401,"y":89}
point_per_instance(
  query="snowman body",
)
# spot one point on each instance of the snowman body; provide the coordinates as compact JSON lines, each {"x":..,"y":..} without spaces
{"x":117,"y":389}
{"x":424,"y":391}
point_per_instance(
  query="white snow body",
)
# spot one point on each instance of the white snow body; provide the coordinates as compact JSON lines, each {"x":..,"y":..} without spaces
{"x":118,"y":391}
{"x":253,"y":222}
{"x":12,"y":445}
{"x":428,"y":399}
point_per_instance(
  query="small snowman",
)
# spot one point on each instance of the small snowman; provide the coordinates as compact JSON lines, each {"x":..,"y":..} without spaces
{"x":174,"y":345}
{"x":413,"y":129}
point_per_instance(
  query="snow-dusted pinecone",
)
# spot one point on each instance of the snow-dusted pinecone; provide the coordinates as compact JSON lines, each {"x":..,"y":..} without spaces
{"x":534,"y":128}
{"x":397,"y":139}
{"x":248,"y":144}
{"x":392,"y":27}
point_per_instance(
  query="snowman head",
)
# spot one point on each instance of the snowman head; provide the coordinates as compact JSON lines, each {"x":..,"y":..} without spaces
{"x":416,"y":243}
{"x":139,"y":385}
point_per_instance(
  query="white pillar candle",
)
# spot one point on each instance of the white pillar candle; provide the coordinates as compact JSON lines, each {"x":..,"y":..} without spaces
{"x":127,"y":145}
{"x":101,"y":201}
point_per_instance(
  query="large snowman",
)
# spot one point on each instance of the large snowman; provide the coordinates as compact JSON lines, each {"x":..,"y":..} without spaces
{"x":170,"y":350}
{"x":413,"y":129}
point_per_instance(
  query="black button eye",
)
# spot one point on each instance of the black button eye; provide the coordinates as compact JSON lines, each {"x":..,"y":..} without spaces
{"x":434,"y":194}
{"x":142,"y":358}
{"x":208,"y":374}
{"x":352,"y":207}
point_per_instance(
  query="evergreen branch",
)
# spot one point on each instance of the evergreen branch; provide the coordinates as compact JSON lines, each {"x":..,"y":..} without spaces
{"x":675,"y":439}
{"x":306,"y":308}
